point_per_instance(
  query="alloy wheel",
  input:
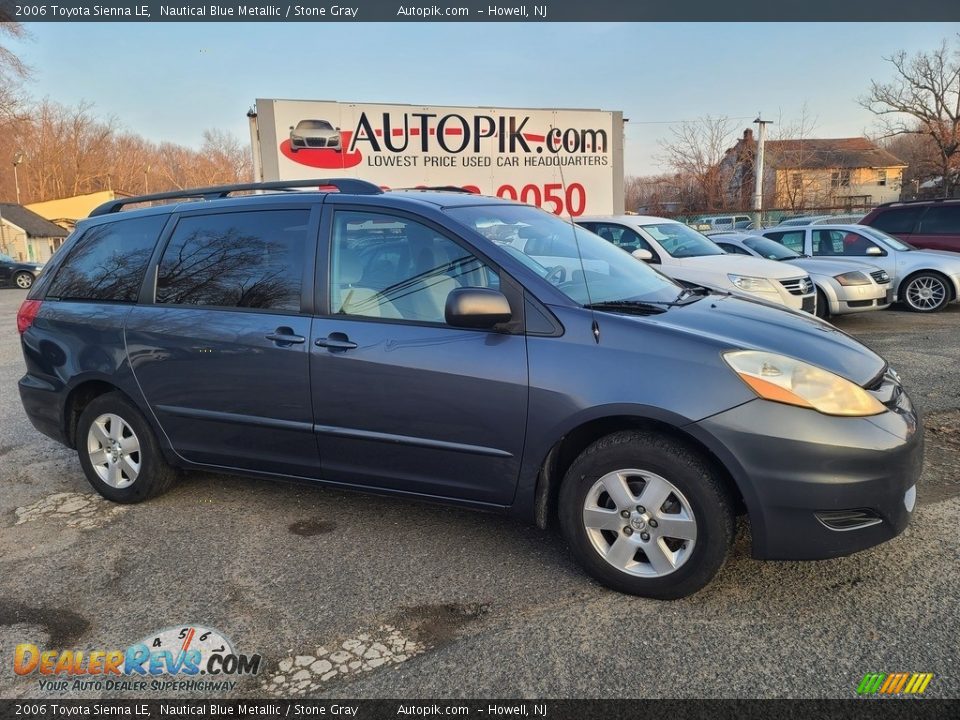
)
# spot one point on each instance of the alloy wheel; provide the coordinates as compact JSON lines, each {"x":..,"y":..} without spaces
{"x":640,"y":523}
{"x":926,"y":293}
{"x":114,"y":451}
{"x":24,"y":281}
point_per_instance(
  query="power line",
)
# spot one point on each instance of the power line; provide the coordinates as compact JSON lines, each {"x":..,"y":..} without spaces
{"x":675,"y":122}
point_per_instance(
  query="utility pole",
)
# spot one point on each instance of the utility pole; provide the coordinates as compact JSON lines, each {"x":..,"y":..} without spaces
{"x":17,"y":159}
{"x":758,"y":172}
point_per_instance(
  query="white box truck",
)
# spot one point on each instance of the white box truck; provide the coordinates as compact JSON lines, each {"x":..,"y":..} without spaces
{"x":569,"y":162}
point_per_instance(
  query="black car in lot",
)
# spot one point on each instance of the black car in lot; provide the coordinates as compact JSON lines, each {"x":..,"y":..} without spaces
{"x":18,"y":274}
{"x":417,"y":343}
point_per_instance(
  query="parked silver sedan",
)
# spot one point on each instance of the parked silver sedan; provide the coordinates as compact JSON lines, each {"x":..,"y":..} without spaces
{"x":924,"y":280}
{"x":843,"y":286}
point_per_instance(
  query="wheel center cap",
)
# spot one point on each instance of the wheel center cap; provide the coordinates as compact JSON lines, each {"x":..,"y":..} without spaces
{"x":637,"y":522}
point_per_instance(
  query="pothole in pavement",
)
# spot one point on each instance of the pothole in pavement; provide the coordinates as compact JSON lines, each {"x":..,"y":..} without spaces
{"x":942,"y":456}
{"x":82,"y":511}
{"x":411,"y":633}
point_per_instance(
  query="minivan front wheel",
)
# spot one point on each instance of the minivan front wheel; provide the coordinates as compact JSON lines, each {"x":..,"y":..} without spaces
{"x":23,"y":280}
{"x":644,"y":514}
{"x":118,"y":451}
{"x":926,"y":292}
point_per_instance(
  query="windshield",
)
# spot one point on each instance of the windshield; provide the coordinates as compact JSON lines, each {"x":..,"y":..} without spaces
{"x":886,"y":239}
{"x":769,"y":249}
{"x":680,"y":241}
{"x":314,"y":125}
{"x":547,"y":245}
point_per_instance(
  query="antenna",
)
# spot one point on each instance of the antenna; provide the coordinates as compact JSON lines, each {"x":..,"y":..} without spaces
{"x":595,"y":326}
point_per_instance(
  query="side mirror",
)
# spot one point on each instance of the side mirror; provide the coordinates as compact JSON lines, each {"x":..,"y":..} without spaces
{"x":337,"y":129}
{"x":480,"y":308}
{"x":874,"y":250}
{"x":291,"y":127}
{"x":642,"y":254}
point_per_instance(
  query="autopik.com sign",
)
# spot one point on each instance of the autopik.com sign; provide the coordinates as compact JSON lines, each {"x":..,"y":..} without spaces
{"x":569,"y":162}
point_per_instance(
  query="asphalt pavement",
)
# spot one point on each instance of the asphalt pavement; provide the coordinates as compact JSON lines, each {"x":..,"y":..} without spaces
{"x":346,"y":595}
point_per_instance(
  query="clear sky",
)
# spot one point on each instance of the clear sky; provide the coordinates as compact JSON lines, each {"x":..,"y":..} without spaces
{"x":171,"y":81}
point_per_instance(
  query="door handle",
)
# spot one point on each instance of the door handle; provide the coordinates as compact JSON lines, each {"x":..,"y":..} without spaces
{"x":335,"y":341}
{"x":285,"y":336}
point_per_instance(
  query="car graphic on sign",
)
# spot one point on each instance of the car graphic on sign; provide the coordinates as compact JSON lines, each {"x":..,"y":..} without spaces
{"x":308,"y":134}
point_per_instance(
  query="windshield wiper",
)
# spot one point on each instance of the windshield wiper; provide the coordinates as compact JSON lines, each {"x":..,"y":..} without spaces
{"x":629,"y":306}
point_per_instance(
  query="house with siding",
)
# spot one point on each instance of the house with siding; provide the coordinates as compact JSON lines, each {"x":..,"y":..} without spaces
{"x":813,"y":173}
{"x":26,"y":236}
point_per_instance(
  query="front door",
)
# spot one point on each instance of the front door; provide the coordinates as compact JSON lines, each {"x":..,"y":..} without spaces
{"x":403,"y":401}
{"x":222,"y":354}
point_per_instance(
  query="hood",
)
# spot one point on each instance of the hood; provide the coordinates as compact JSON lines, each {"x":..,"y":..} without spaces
{"x":942,"y":258}
{"x":742,"y":265}
{"x":738,"y":323}
{"x":817,"y":266}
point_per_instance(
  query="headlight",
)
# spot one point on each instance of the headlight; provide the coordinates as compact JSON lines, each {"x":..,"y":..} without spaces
{"x":786,"y":380}
{"x":852,"y":278}
{"x":751,"y":284}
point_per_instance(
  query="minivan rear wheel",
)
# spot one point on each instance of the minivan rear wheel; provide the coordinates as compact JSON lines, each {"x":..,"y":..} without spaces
{"x":119,"y":453}
{"x":644,"y":514}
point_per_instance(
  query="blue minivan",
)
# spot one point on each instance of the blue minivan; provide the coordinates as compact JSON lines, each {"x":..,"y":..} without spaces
{"x":467,"y":350}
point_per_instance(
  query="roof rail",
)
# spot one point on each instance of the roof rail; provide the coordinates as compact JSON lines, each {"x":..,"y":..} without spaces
{"x":344,"y":185}
{"x":916,"y":200}
{"x":440,"y":188}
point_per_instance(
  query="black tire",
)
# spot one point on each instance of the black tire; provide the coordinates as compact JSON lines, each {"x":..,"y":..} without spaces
{"x":155,"y":476}
{"x":23,"y":280}
{"x":936,"y":283}
{"x":709,"y":501}
{"x":823,"y":307}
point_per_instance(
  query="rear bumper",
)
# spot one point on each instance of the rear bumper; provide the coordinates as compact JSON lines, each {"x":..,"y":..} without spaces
{"x":795,"y":467}
{"x":43,"y":403}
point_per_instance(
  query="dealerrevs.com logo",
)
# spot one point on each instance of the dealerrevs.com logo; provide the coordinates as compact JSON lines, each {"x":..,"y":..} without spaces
{"x":190,"y":657}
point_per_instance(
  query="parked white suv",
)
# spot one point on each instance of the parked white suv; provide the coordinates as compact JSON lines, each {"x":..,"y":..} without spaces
{"x":683,"y":254}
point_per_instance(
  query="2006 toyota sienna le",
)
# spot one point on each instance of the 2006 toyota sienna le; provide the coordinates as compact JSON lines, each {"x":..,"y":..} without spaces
{"x":406,"y":343}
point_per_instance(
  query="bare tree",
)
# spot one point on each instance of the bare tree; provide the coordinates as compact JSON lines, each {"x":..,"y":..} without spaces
{"x":695,"y":151}
{"x":923,"y":99}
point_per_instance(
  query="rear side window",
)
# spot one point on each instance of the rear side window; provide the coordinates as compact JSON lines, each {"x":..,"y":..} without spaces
{"x":109,"y":261}
{"x":897,"y":220}
{"x":792,"y":239}
{"x":941,"y":220}
{"x":236,"y":260}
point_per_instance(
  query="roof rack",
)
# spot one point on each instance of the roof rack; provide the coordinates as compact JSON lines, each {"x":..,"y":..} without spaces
{"x":917,"y":200}
{"x":344,"y":185}
{"x":440,"y":188}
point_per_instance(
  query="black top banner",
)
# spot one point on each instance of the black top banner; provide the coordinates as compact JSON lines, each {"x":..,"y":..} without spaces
{"x":30,"y":11}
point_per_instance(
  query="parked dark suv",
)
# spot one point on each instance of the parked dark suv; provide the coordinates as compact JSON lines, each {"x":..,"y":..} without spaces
{"x":927,"y":224}
{"x":407,"y":343}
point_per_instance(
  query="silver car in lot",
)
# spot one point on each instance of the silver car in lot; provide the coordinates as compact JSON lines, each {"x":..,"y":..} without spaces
{"x":924,"y":280}
{"x":843,"y":286}
{"x":314,"y":134}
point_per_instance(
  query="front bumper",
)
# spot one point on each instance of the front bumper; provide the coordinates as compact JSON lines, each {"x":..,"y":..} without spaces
{"x":793,"y":464}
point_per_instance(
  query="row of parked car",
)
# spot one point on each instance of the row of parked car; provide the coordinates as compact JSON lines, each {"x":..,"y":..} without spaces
{"x":822,"y":267}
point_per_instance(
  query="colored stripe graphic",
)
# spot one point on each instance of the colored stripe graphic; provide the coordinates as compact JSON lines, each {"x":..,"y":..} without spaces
{"x":894,"y":683}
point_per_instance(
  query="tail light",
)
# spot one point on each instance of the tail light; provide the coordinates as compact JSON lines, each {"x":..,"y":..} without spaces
{"x":27,"y":314}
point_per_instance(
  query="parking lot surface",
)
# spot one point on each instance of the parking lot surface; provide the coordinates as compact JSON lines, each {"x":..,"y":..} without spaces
{"x":346,"y":595}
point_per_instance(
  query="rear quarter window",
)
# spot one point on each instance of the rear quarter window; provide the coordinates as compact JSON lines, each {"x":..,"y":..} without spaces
{"x":896,"y":220}
{"x":109,"y":261}
{"x":940,"y":220}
